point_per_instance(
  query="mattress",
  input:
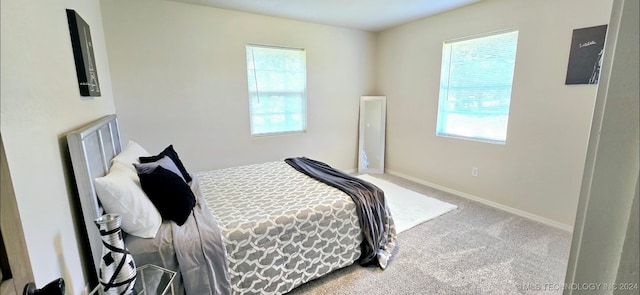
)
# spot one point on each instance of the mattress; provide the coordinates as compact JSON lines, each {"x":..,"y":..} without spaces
{"x":281,"y":228}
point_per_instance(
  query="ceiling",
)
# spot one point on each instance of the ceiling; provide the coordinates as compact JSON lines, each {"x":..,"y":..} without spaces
{"x":367,"y":15}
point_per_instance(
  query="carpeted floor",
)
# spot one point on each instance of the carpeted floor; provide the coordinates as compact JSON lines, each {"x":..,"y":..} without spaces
{"x":475,"y":249}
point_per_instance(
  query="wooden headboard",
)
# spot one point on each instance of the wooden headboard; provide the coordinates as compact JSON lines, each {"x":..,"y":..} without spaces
{"x":91,"y":149}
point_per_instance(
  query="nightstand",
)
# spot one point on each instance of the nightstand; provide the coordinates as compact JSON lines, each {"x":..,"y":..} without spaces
{"x":151,"y":280}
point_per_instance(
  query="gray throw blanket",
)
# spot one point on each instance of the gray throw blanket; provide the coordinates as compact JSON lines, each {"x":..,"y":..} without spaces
{"x":376,"y":222}
{"x":200,"y":251}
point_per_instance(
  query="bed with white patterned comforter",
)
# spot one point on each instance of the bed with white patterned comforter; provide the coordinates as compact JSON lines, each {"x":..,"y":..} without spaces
{"x":281,"y":228}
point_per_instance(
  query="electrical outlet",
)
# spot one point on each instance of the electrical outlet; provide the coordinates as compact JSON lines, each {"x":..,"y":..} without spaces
{"x":474,"y":171}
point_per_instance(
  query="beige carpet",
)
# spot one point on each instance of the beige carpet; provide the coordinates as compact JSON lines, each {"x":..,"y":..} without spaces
{"x":474,"y":249}
{"x":408,"y":208}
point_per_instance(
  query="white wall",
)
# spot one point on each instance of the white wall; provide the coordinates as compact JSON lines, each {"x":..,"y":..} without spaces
{"x":539,"y":170}
{"x":40,"y":102}
{"x":179,"y":77}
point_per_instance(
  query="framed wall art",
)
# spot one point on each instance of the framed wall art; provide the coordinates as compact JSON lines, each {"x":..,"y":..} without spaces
{"x":83,"y":55}
{"x":585,"y":56}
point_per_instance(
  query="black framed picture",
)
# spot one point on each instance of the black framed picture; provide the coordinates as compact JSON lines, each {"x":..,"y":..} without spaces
{"x":83,"y":55}
{"x":585,"y":56}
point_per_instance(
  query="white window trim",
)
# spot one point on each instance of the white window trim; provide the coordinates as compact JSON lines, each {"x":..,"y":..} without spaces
{"x":440,"y":105}
{"x":304,"y":93}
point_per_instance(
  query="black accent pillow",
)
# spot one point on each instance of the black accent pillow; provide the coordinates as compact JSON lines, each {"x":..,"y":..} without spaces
{"x":169,"y":193}
{"x":171,"y":153}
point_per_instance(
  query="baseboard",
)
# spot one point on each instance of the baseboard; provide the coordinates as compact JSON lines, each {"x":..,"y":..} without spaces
{"x":502,"y":207}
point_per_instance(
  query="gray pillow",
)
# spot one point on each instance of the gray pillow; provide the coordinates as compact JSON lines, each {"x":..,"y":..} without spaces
{"x":165,"y":162}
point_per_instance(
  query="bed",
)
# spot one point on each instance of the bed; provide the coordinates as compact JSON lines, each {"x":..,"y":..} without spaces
{"x":264,"y":228}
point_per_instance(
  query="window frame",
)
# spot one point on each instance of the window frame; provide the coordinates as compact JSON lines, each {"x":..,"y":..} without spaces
{"x":444,"y":95}
{"x":250,"y":93}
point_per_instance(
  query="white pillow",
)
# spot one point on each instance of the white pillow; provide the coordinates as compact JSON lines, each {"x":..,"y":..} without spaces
{"x":120,"y":192}
{"x":130,"y":155}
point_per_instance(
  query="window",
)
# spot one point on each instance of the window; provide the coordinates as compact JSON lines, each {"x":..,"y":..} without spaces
{"x":475,"y":87}
{"x":277,"y":89}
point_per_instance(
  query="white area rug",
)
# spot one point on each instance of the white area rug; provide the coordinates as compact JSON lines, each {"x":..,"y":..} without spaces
{"x":409,"y":208}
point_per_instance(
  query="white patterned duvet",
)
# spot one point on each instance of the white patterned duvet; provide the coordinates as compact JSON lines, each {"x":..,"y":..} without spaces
{"x":281,"y":228}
